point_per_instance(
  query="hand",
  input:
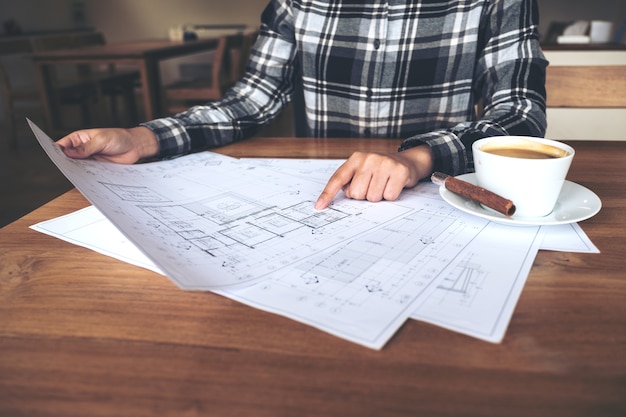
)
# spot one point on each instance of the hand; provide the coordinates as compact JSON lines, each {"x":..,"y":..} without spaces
{"x":374,"y":176}
{"x":122,"y":146}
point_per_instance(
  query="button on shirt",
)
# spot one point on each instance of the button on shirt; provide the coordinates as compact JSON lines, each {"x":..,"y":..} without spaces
{"x":392,"y":69}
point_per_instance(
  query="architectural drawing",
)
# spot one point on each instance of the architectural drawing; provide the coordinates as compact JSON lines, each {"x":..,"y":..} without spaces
{"x":384,"y":271}
{"x":462,"y":283}
{"x":213,"y":222}
{"x":358,"y":270}
{"x":229,"y":220}
{"x":137,"y":194}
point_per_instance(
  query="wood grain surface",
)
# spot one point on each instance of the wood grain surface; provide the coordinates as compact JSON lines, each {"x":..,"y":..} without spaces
{"x":82,"y":334}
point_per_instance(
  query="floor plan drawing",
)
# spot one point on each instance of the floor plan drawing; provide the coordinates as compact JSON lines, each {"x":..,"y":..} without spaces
{"x":213,"y":222}
{"x":477,"y":292}
{"x":230,"y":220}
{"x":463,"y":282}
{"x":357,"y":270}
{"x":377,"y":278}
{"x":137,"y":194}
{"x":297,"y":296}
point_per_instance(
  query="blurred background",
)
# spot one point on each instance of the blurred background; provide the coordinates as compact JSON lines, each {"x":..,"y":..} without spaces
{"x":26,"y":178}
{"x":136,"y":19}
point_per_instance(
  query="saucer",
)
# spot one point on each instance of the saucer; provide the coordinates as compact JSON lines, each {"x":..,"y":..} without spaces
{"x":575,"y":203}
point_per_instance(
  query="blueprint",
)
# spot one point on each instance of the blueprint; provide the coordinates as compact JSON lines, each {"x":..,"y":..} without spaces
{"x":209,"y":221}
{"x":477,"y":293}
{"x":247,"y":229}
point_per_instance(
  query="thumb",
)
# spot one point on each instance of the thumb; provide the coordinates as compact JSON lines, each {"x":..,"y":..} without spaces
{"x":76,"y":144}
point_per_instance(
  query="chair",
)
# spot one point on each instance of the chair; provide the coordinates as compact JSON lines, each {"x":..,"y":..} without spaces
{"x":67,"y":90}
{"x":19,"y":97}
{"x":246,"y":46}
{"x":229,"y":65}
{"x":113,"y":82}
{"x":226,"y":70}
{"x":90,"y":86}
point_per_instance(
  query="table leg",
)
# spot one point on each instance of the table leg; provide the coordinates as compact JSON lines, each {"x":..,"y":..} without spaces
{"x":151,"y":82}
{"x":49,"y":98}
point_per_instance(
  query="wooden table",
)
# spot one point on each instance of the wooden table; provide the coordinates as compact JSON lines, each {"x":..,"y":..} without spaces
{"x":146,"y":55}
{"x":82,"y":334}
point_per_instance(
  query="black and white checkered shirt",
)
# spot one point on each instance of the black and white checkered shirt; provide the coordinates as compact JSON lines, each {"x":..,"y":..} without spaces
{"x":390,"y":69}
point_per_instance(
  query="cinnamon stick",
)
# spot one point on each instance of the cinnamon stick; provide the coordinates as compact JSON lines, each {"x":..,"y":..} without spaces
{"x":474,"y":192}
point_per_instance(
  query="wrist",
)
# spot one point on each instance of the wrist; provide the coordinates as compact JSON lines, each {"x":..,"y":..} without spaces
{"x":420,"y":159}
{"x":146,"y":142}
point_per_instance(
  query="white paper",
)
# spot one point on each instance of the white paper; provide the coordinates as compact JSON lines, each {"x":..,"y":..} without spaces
{"x":478,"y":294}
{"x":567,"y":238}
{"x":209,"y":221}
{"x":90,"y":229}
{"x":458,"y":303}
{"x":360,"y":271}
{"x":318,"y":170}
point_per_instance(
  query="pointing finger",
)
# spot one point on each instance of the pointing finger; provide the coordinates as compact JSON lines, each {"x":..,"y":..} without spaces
{"x":337,"y":181}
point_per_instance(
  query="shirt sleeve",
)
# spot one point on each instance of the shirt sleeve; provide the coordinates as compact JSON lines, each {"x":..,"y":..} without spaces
{"x":509,"y":78}
{"x":252,"y":103}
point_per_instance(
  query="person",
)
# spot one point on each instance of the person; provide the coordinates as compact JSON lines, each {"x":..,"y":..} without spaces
{"x":413,"y":70}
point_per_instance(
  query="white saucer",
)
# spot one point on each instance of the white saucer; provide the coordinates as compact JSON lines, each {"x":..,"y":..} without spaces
{"x":575,"y":203}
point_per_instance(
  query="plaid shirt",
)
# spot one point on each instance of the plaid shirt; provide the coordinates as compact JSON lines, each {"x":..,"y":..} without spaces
{"x":390,"y":69}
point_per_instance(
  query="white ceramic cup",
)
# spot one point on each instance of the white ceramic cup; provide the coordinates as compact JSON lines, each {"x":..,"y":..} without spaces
{"x":532,"y":184}
{"x":600,"y":31}
{"x":176,"y":33}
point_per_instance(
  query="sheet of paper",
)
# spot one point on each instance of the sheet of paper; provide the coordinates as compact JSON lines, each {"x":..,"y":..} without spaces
{"x":361,"y":291}
{"x":567,"y":238}
{"x":478,"y":293}
{"x":209,"y":221}
{"x":457,"y":304}
{"x":318,"y":170}
{"x":205,"y":220}
{"x":90,"y":229}
{"x":361,"y":287}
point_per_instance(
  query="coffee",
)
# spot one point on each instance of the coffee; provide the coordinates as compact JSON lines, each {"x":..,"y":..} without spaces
{"x":528,"y":150}
{"x":526,"y":170}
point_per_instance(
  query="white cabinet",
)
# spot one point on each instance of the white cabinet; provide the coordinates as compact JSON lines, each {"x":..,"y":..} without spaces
{"x":580,"y":123}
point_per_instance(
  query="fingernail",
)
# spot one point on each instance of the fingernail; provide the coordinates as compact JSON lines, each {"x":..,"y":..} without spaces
{"x":84,"y":138}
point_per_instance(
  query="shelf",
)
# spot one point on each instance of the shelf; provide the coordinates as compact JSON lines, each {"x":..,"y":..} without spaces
{"x":584,"y":47}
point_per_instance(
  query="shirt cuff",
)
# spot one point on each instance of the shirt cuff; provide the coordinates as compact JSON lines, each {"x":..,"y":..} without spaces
{"x":171,"y":135}
{"x":449,"y":154}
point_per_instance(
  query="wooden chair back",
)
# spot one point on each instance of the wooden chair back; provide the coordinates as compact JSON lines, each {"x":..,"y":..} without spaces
{"x":17,"y":98}
{"x":13,"y":46}
{"x":97,"y":87}
{"x":246,"y":47}
{"x":225,"y":72}
{"x":11,"y":49}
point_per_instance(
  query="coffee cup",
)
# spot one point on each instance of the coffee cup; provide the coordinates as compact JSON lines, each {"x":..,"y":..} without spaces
{"x":528,"y":171}
{"x":600,"y":31}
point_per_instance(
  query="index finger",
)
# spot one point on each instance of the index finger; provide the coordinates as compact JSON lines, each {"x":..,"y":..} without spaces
{"x":337,"y":181}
